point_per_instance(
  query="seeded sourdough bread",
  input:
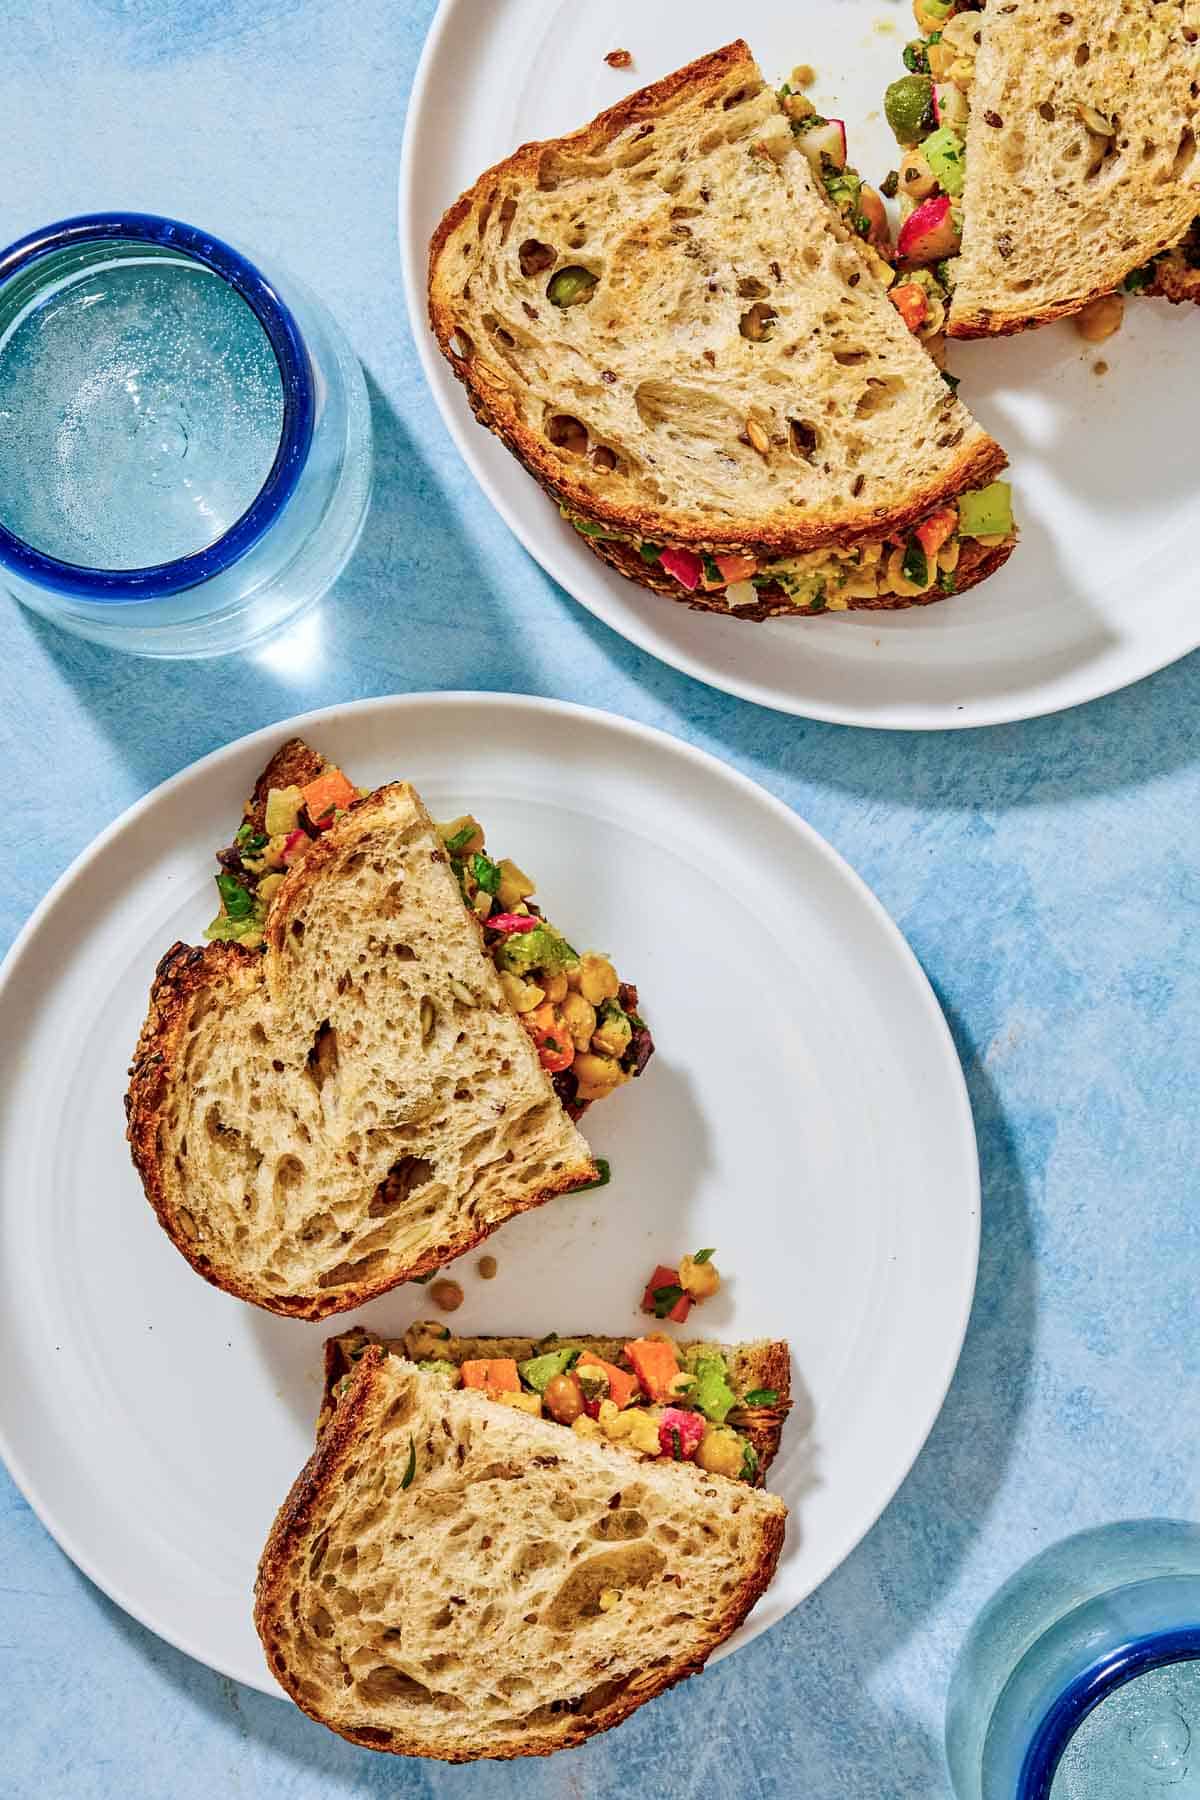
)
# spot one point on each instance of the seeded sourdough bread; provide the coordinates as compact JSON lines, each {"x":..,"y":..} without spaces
{"x":358,"y":1104}
{"x":763,"y":1363}
{"x":454,"y":1579}
{"x":1057,"y":208}
{"x":691,"y":203}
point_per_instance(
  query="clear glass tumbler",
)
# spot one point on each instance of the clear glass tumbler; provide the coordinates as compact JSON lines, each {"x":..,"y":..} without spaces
{"x":1080,"y":1680}
{"x":185,"y":440}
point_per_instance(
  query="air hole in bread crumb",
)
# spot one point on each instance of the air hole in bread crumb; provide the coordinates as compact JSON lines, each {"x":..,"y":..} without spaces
{"x":534,"y":257}
{"x":1082,"y":55}
{"x":802,"y":438}
{"x":1184,"y":154}
{"x":567,"y":433}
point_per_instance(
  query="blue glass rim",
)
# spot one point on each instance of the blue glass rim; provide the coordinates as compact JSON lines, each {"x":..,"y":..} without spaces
{"x":1084,"y":1694}
{"x":110,"y":586}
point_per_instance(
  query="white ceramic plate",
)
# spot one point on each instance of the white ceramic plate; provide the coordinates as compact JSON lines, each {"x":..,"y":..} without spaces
{"x":805,"y":1114}
{"x":1101,"y":590}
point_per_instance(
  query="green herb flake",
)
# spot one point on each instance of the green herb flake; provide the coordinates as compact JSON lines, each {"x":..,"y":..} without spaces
{"x":411,"y":1470}
{"x":948,"y":581}
{"x":676,"y":1444}
{"x":1137,"y":279}
{"x":486,"y":873}
{"x":602,"y":1180}
{"x":237,"y":900}
{"x":711,"y":569}
{"x":760,"y":1397}
{"x":665,"y":1298}
{"x":950,"y":380}
{"x":915,"y":567}
{"x":749,"y":1462}
{"x":460,"y":840}
{"x":890,"y":185}
{"x":650,"y":553}
{"x":703,"y":1256}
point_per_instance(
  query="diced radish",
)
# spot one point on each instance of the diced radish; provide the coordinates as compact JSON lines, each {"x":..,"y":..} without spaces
{"x":511,"y":923}
{"x":950,"y":105}
{"x":828,"y":140}
{"x":929,"y":231}
{"x":685,"y":566}
{"x":679,"y":1433}
{"x":295,"y":845}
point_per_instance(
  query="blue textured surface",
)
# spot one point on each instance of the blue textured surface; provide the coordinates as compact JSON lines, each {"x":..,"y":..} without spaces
{"x":1046,"y":874}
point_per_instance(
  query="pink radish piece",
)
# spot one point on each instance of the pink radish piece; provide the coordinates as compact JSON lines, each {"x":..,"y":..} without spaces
{"x":828,"y":140}
{"x":929,"y":231}
{"x":685,"y":566}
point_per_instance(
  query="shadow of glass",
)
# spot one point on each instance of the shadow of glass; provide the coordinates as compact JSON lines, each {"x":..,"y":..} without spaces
{"x":384,"y":627}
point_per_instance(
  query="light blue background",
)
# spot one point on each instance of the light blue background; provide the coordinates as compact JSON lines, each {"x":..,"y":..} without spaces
{"x":1046,"y":874}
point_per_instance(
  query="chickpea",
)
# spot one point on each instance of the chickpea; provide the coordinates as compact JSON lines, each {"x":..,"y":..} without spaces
{"x":555,"y":988}
{"x":522,"y":1402}
{"x":612,"y":1038}
{"x":700,"y":1280}
{"x":643,"y":1431}
{"x":563,"y":1398}
{"x":720,"y":1452}
{"x":579,"y":1016}
{"x":917,"y":179}
{"x":1100,"y":318}
{"x":597,"y":979}
{"x":585,"y":1428}
{"x":515,"y":886}
{"x":597,"y":1076}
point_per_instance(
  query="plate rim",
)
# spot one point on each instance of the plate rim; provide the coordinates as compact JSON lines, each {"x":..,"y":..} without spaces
{"x":465,"y":434}
{"x":963,"y":1123}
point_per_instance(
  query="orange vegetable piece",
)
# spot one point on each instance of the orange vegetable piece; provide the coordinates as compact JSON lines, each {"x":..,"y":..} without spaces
{"x":911,"y":302}
{"x":736,"y":568}
{"x":932,"y":532}
{"x":622,"y":1386}
{"x":664,"y":1277}
{"x":327,"y":791}
{"x":492,"y":1374}
{"x":656,"y":1363}
{"x":555,"y":1045}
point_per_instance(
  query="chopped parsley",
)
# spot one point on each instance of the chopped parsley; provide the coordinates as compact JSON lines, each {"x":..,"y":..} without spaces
{"x":676,"y":1444}
{"x":703,"y":1256}
{"x":947,"y":581}
{"x":650,"y":553}
{"x":665,"y":1298}
{"x":760,"y":1397}
{"x":237,"y":900}
{"x":411,"y":1470}
{"x":950,"y":380}
{"x":460,"y":840}
{"x":916,"y":57}
{"x":602,"y":1180}
{"x":486,"y":873}
{"x":749,"y":1462}
{"x":711,"y":569}
{"x":915,"y":567}
{"x":1137,"y":279}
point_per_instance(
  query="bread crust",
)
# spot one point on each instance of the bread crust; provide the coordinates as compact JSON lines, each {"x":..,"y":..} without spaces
{"x":345,"y":1440}
{"x":494,"y":408}
{"x":187,"y":971}
{"x":764,"y":1364}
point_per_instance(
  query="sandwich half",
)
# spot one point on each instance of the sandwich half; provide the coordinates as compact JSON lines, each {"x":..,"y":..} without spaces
{"x":357,"y":1103}
{"x":455,"y":1579}
{"x":583,"y":1020}
{"x":664,"y":318}
{"x":1049,"y":157}
{"x":720,"y":1406}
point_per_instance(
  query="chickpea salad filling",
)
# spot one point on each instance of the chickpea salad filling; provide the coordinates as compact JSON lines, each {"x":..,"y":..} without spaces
{"x":934,"y":554}
{"x":583,"y":1019}
{"x":662,"y":1400}
{"x":928,"y":110}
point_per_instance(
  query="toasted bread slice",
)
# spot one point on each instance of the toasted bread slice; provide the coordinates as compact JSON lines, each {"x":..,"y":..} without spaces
{"x":646,"y":411}
{"x":763,"y":1365}
{"x":454,"y":1579}
{"x":356,"y":1105}
{"x":1081,"y":156}
{"x":294,"y":765}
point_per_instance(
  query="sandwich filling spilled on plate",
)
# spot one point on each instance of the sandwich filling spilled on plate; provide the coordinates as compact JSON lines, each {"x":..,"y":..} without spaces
{"x":582,"y":1018}
{"x":720,"y":1407}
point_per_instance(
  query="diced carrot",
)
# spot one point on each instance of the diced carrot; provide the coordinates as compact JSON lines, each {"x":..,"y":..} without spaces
{"x":910,"y":301}
{"x":327,"y":791}
{"x":932,"y":532}
{"x":494,"y":1374}
{"x":656,"y":1363}
{"x":736,"y":568}
{"x":661,"y":1278}
{"x":622,"y":1386}
{"x":555,"y":1047}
